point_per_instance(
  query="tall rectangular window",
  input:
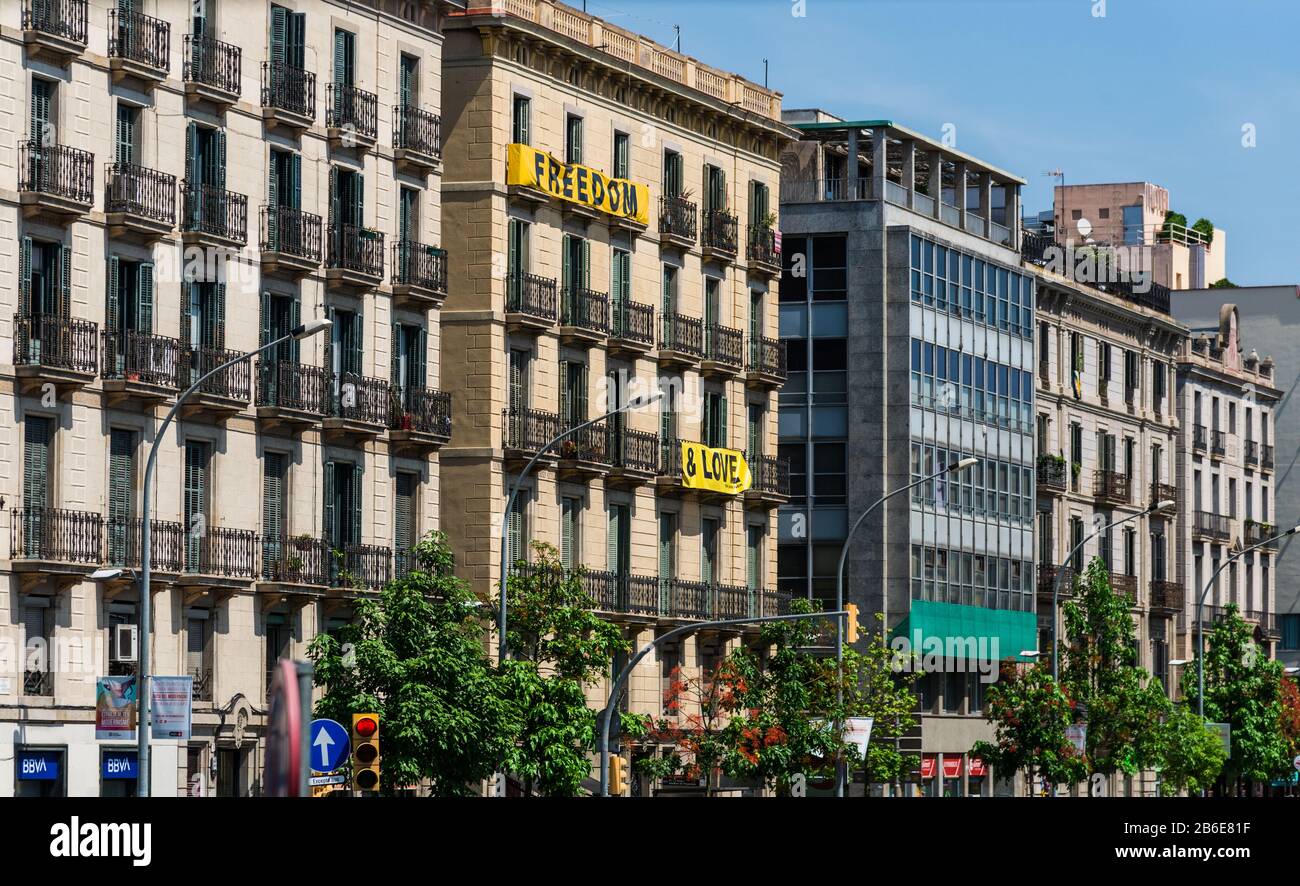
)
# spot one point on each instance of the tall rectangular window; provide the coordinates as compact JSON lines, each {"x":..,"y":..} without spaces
{"x":406,"y":528}
{"x":570,"y":508}
{"x":274,"y":509}
{"x":522,"y":112}
{"x":121,"y":496}
{"x":195,"y":501}
{"x":573,"y":139}
{"x":622,"y":155}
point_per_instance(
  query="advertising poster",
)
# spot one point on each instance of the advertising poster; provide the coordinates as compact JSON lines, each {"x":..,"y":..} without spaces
{"x":115,"y":707}
{"x":171,"y":699}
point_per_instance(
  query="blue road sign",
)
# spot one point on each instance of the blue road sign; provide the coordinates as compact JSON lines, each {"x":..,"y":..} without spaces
{"x":329,"y":745}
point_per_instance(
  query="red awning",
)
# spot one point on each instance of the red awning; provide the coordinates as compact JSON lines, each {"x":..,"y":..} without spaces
{"x":978,"y":768}
{"x":952,"y":767}
{"x":928,"y":765}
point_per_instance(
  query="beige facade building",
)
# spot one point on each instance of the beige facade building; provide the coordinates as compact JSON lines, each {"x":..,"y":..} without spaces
{"x":566,"y":306}
{"x":182,"y":181}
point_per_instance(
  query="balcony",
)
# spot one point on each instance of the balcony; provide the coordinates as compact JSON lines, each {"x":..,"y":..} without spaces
{"x":417,"y":140}
{"x":1257,"y":532}
{"x":220,"y":395}
{"x":1218,"y":444}
{"x":212,"y":71}
{"x":1200,"y":438}
{"x":351,"y":116}
{"x":1036,"y":248}
{"x":1047,"y":578}
{"x":125,"y":545}
{"x":677,"y":217}
{"x":761,"y":253}
{"x":584,"y":317}
{"x":54,"y":350}
{"x":219,"y":556}
{"x":718,"y":235}
{"x":1162,"y":492}
{"x":55,"y":542}
{"x":139,"y":201}
{"x":1266,"y":457}
{"x":681,"y":340}
{"x":355,"y":257}
{"x":360,"y":409}
{"x":530,"y":303}
{"x":139,"y":368}
{"x":55,"y":28}
{"x":419,"y":276}
{"x":301,"y":562}
{"x":1111,"y":487}
{"x":1050,"y":474}
{"x":1211,"y":527}
{"x":647,"y":596}
{"x":1250,"y":453}
{"x":771,"y":481}
{"x":139,"y":47}
{"x":1124,"y":586}
{"x":584,"y":453}
{"x":213,"y":217}
{"x":668,"y":473}
{"x":526,"y":431}
{"x":723,"y":351}
{"x":631,"y":332}
{"x":633,"y":457}
{"x":765,"y":363}
{"x":356,"y":570}
{"x":420,"y":421}
{"x":55,"y":180}
{"x":291,"y":397}
{"x":1266,"y":626}
{"x":1166,"y":597}
{"x":288,"y":97}
{"x":290,"y":240}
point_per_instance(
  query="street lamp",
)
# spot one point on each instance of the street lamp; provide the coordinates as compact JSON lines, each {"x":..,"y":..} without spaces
{"x":1200,"y":622}
{"x":1056,"y":582}
{"x":954,"y":468}
{"x":299,"y":332}
{"x":634,"y":403}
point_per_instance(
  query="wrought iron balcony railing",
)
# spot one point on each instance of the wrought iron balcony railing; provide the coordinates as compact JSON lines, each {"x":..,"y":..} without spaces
{"x":587,"y":444}
{"x":57,"y":171}
{"x":125,"y":544}
{"x":202,"y":682}
{"x":724,"y":345}
{"x":221,"y":551}
{"x":1218,"y":443}
{"x":1111,"y":486}
{"x":57,"y":342}
{"x":1266,"y":456}
{"x":1200,"y":437}
{"x":1215,"y":527}
{"x":585,"y":309}
{"x":528,"y":430}
{"x":633,"y":322}
{"x":770,"y":475}
{"x":1047,"y":580}
{"x":300,"y":560}
{"x":682,"y":334}
{"x":677,"y":217}
{"x":56,"y":535}
{"x":66,"y":19}
{"x":212,"y":63}
{"x":766,"y":356}
{"x":634,"y":450}
{"x":231,"y":383}
{"x":531,"y":295}
{"x":351,"y":109}
{"x":142,"y":357}
{"x":138,"y":190}
{"x":291,"y":232}
{"x":761,"y":246}
{"x":1163,"y":492}
{"x":357,"y":249}
{"x":358,"y":566}
{"x":207,"y":209}
{"x":1166,"y":596}
{"x":1250,"y":452}
{"x":1257,"y":532}
{"x":719,"y":232}
{"x":288,"y":88}
{"x":139,"y":38}
{"x":1050,"y":474}
{"x":362,"y":399}
{"x":422,"y":409}
{"x":38,"y":681}
{"x":287,"y":385}
{"x":418,"y":264}
{"x":415,"y":129}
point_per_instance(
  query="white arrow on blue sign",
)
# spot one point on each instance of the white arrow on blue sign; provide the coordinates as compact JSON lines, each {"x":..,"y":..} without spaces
{"x":329,"y":745}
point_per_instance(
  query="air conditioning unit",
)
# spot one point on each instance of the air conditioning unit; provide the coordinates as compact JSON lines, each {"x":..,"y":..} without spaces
{"x":125,"y":642}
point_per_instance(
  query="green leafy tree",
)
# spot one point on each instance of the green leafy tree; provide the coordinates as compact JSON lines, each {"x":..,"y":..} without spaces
{"x":1123,"y":705}
{"x":1191,"y":754}
{"x":415,"y":656}
{"x":558,"y":647}
{"x":1175,"y":223}
{"x":1205,"y":227}
{"x":1030,"y":715}
{"x":1223,"y":283}
{"x":1243,"y":688}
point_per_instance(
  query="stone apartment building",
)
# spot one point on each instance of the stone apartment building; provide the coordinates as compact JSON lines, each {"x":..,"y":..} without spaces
{"x":567,"y":306}
{"x":182,"y":181}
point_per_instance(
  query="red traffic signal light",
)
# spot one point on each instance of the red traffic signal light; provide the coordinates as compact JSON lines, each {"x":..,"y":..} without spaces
{"x":365,"y":727}
{"x":365,"y":752}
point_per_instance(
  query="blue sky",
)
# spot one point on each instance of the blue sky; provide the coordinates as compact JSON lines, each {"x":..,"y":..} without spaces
{"x":1156,"y":90}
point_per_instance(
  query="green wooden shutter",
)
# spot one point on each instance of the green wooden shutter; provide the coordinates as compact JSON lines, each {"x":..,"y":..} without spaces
{"x":293,"y":197}
{"x":755,"y":431}
{"x":25,"y":276}
{"x":219,"y":316}
{"x":408,"y":84}
{"x":65,"y":282}
{"x":296,"y":39}
{"x":41,"y":91}
{"x":515,"y":532}
{"x":612,"y":562}
{"x":125,"y":147}
{"x":667,"y":529}
{"x":518,"y":396}
{"x":273,"y":191}
{"x":113,"y":310}
{"x":279,"y":35}
{"x":295,"y":320}
{"x":328,"y":517}
{"x":396,"y":361}
{"x":723,"y":437}
{"x":273,"y":506}
{"x":219,"y":157}
{"x":192,"y":171}
{"x":121,"y":493}
{"x":36,"y":461}
{"x":420,"y":378}
{"x":335,"y":209}
{"x":753,"y":550}
{"x":580,"y":387}
{"x":354,"y":521}
{"x":404,"y":517}
{"x":708,"y":552}
{"x":566,"y":256}
{"x":357,"y":343}
{"x":144,"y":297}
{"x":195,"y":499}
{"x":568,"y":517}
{"x":266,"y":333}
{"x":565,"y":394}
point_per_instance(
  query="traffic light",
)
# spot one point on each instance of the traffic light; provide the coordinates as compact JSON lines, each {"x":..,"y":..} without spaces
{"x":365,"y":752}
{"x":852,"y":633}
{"x":617,"y":775}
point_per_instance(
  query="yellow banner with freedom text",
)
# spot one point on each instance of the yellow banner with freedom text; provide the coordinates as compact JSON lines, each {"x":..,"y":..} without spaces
{"x":714,"y":469}
{"x":531,"y":168}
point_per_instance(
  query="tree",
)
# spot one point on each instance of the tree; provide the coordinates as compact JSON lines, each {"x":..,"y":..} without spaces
{"x":559,"y":647}
{"x":1290,"y":717}
{"x":1223,"y":283}
{"x":1099,"y":673}
{"x":1244,"y":689}
{"x":1030,"y":715}
{"x":415,"y":656}
{"x":1191,"y":754}
{"x":697,"y":709}
{"x":1205,"y":227}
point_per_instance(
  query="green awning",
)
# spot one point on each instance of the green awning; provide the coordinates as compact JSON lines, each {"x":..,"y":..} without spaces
{"x":970,"y":631}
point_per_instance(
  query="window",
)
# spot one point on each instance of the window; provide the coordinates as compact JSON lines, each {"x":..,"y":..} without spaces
{"x":274,"y":513}
{"x":198,"y":652}
{"x":121,"y":494}
{"x":279,"y":643}
{"x":195,"y":500}
{"x":709,"y":551}
{"x":406,"y":526}
{"x":284,"y":188}
{"x":673,"y":177}
{"x":622,"y":164}
{"x":1290,"y":624}
{"x":345,"y":53}
{"x":41,"y":121}
{"x":38,"y":661}
{"x":516,"y":530}
{"x":715,"y":419}
{"x":408,"y":81}
{"x":288,"y":37}
{"x":573,"y":394}
{"x":619,"y":540}
{"x":573,"y":139}
{"x":522,"y":113}
{"x":127,"y":142}
{"x":570,"y":508}
{"x":517,"y":262}
{"x":754,"y":556}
